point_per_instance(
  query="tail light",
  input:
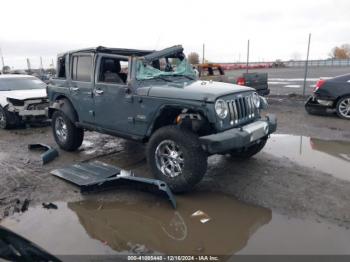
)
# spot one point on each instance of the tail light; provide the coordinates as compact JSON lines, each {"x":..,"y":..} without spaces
{"x":319,"y":84}
{"x":241,"y":81}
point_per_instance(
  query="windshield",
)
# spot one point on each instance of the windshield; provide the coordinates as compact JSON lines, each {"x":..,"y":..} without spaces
{"x":23,"y":83}
{"x":164,"y":67}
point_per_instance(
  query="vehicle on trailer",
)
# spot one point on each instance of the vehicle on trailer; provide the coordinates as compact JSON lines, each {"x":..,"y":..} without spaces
{"x":23,"y":99}
{"x":215,"y":72}
{"x":331,"y":95}
{"x":155,"y":97}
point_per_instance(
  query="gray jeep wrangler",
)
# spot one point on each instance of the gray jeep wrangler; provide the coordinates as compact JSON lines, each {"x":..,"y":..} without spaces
{"x":155,"y":97}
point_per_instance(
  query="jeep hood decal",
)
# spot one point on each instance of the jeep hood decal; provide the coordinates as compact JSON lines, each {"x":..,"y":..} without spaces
{"x":198,"y":90}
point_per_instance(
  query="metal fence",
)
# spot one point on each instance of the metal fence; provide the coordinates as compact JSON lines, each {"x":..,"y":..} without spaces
{"x":299,"y":63}
{"x":318,"y":63}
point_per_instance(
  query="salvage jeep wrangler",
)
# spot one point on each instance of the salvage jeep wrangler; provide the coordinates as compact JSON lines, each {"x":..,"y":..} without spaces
{"x":154,"y":97}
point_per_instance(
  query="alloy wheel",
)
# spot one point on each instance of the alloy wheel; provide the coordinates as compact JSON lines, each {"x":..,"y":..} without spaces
{"x":169,"y":158}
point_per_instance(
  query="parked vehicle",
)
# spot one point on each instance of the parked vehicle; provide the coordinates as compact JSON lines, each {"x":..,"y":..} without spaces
{"x":215,"y":72}
{"x":155,"y":97}
{"x":331,"y":94}
{"x":22,"y":99}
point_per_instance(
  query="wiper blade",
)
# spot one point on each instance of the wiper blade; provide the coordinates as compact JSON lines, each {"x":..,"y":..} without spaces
{"x":163,"y":78}
{"x":186,"y":76}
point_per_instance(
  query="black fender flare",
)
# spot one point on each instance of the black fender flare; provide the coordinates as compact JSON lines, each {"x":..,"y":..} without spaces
{"x":66,"y":106}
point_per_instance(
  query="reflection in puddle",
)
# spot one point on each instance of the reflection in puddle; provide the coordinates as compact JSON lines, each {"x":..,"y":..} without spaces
{"x":99,"y":227}
{"x":331,"y":157}
{"x":204,"y":223}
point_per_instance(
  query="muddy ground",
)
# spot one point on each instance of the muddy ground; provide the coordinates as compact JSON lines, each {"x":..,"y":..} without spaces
{"x":267,"y":180}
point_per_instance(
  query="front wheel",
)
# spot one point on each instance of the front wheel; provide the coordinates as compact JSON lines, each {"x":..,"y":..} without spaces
{"x":343,"y":107}
{"x":67,"y":135}
{"x":249,"y":151}
{"x":176,"y":157}
{"x":4,"y":121}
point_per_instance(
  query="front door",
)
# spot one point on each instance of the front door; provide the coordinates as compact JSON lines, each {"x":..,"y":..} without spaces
{"x":113,"y":103}
{"x":82,"y":86}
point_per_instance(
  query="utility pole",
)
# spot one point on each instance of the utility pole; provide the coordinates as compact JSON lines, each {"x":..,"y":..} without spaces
{"x":306,"y":64}
{"x":203,"y":53}
{"x":2,"y":60}
{"x":41,"y":63}
{"x":28,"y":66}
{"x":247,"y":55}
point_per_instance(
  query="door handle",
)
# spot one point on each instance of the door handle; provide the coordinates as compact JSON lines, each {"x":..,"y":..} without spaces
{"x":99,"y":92}
{"x":75,"y":89}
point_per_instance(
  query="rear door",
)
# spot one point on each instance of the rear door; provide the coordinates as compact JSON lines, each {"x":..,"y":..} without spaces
{"x":81,"y":86}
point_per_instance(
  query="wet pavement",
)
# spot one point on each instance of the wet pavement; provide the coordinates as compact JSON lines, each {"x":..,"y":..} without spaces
{"x":332,"y":157}
{"x":204,"y":223}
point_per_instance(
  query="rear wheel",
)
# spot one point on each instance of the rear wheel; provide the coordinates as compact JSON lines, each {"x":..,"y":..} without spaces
{"x":67,"y":135}
{"x":343,"y":107}
{"x":176,"y":157}
{"x":247,"y":152}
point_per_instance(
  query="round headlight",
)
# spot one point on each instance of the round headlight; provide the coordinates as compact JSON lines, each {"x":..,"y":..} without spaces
{"x":256,"y":100}
{"x":221,"y":108}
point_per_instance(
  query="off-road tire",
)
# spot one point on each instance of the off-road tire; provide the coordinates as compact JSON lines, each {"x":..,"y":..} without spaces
{"x":248,"y":152}
{"x":195,"y":159}
{"x":11,"y":120}
{"x":338,"y":105}
{"x":75,"y":135}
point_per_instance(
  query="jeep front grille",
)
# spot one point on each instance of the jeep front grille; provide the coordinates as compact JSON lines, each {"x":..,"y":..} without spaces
{"x":241,"y":109}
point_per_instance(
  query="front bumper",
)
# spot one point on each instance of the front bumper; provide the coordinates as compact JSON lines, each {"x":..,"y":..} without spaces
{"x":239,"y":137}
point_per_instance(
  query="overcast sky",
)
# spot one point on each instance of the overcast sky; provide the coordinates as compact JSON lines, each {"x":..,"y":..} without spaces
{"x":276,"y":29}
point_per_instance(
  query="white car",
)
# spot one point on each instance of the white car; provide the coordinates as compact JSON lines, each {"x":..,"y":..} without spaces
{"x":23,"y":98}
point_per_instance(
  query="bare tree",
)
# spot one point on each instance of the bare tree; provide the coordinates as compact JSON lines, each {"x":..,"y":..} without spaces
{"x":193,"y":58}
{"x":342,"y":52}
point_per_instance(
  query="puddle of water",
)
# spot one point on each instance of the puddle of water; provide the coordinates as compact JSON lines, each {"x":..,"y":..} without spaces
{"x":332,"y":157}
{"x":92,"y":227}
{"x":204,"y":223}
{"x":295,"y":236}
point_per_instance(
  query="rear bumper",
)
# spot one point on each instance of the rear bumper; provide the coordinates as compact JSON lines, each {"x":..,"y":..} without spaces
{"x":239,"y":137}
{"x":316,"y":105}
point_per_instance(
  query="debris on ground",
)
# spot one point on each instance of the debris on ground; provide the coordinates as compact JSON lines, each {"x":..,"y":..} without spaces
{"x":98,"y":175}
{"x":203,"y":217}
{"x":49,"y":154}
{"x":49,"y":206}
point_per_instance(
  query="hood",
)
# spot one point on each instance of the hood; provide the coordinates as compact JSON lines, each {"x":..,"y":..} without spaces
{"x":198,"y":90}
{"x":22,"y":95}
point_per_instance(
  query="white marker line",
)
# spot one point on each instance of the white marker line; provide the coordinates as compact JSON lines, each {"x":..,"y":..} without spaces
{"x":292,"y":86}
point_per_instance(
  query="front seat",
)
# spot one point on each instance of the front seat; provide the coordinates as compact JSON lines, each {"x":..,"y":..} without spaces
{"x":111,"y":70}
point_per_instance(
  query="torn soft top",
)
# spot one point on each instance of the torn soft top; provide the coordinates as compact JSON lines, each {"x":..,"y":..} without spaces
{"x":108,"y":50}
{"x":167,"y":52}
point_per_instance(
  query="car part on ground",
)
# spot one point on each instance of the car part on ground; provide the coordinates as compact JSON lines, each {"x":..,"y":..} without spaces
{"x":16,"y":248}
{"x":97,"y":175}
{"x":331,"y":95}
{"x":49,"y":154}
{"x":49,"y":206}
